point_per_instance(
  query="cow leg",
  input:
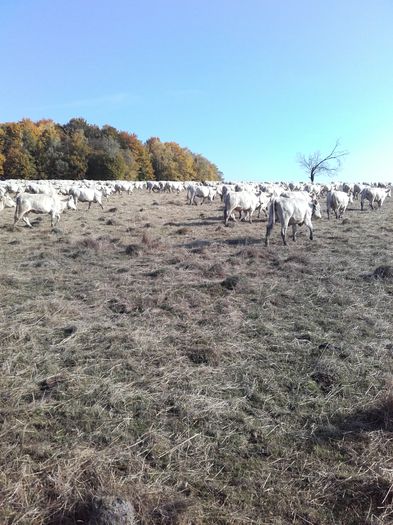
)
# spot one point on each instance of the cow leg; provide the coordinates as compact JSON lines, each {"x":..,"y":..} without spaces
{"x":284,"y":234}
{"x":294,"y":230}
{"x":22,"y":216}
{"x":269,"y":228}
{"x":89,"y":205}
{"x":102,"y":207}
{"x":55,"y":218}
{"x":308,"y":223}
{"x":25,"y":219}
{"x":226,"y":217}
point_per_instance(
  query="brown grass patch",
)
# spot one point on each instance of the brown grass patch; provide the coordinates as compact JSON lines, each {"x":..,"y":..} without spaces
{"x":130,"y":371}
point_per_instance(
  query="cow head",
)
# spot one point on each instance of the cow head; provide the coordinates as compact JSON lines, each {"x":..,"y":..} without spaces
{"x":7,"y":201}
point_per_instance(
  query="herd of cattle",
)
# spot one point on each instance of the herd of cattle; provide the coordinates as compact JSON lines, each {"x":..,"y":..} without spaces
{"x":288,"y":203}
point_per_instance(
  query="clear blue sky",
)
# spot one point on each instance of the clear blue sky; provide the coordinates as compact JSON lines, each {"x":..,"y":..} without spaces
{"x":246,"y":83}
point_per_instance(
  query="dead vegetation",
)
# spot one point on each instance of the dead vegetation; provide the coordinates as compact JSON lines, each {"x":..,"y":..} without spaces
{"x":184,"y":373}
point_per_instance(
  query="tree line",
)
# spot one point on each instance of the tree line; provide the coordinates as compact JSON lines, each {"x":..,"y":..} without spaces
{"x":78,"y":150}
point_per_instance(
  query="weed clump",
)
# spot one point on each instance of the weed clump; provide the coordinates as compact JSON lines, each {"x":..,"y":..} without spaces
{"x":112,"y":511}
{"x":383,"y":272}
{"x":134,"y":250}
{"x":231,"y":282}
{"x":182,"y":231}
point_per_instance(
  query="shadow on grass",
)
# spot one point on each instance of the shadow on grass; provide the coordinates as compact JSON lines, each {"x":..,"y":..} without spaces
{"x":359,"y":500}
{"x":358,"y":423}
{"x":242,"y":241}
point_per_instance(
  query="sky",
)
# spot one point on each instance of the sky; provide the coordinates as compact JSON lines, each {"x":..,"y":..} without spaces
{"x":249,"y":84}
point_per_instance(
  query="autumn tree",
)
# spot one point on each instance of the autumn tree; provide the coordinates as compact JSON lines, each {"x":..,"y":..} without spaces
{"x":144,"y":168}
{"x":317,"y":163}
{"x":50,"y":159}
{"x":206,"y":170}
{"x":19,"y":164}
{"x":172,"y":162}
{"x":77,"y":150}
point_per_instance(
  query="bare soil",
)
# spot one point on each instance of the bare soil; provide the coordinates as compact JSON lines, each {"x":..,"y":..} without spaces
{"x":153,"y":356}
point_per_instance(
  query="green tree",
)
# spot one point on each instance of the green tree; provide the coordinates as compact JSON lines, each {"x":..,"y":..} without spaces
{"x":77,"y":153}
{"x":102,"y":166}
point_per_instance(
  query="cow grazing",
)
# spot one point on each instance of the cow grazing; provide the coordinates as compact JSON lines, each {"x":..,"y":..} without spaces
{"x":153,"y":185}
{"x":374,"y":195}
{"x":338,"y":202}
{"x":41,"y":203}
{"x":294,"y":212}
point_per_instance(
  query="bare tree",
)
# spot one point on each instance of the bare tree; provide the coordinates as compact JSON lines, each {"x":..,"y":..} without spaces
{"x":318,"y":163}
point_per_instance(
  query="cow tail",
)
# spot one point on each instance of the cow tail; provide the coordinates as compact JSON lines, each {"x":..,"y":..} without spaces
{"x":226,"y":206}
{"x":17,"y":207}
{"x":272,"y":213}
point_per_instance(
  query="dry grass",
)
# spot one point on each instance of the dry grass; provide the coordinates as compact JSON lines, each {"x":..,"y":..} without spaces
{"x":155,"y":356}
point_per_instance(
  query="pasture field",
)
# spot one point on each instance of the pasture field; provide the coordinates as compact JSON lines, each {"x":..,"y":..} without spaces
{"x":151,"y":354}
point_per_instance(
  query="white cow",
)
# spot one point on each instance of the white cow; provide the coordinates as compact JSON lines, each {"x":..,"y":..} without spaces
{"x":338,"y":202}
{"x":41,"y":203}
{"x":173,"y":186}
{"x":89,"y":195}
{"x":294,"y":212}
{"x":240,"y":201}
{"x":373,"y":195}
{"x":298,"y":194}
{"x":263,"y":203}
{"x":204,"y":192}
{"x":124,"y":185}
{"x":41,"y":187}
